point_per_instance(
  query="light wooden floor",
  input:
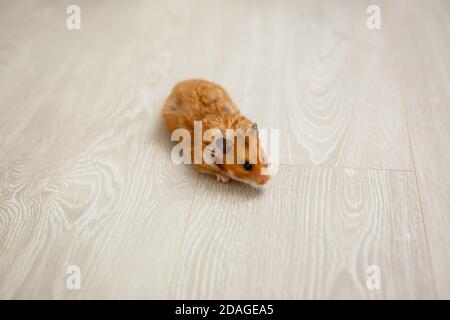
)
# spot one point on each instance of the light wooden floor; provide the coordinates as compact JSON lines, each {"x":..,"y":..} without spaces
{"x":85,"y":171}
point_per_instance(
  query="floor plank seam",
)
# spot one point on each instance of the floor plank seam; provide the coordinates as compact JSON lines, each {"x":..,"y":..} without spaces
{"x":430,"y":261}
{"x":177,"y":257}
{"x":345,"y":168}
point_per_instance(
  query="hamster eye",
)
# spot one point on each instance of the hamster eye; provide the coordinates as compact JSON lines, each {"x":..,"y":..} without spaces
{"x":248,"y":166}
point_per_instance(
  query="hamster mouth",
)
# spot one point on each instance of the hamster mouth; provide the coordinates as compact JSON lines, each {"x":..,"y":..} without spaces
{"x":261,"y":181}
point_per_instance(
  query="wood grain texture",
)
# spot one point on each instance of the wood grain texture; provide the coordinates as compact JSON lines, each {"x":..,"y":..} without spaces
{"x":310,"y":68}
{"x":424,"y":56}
{"x":312,"y":236}
{"x":86,"y":176}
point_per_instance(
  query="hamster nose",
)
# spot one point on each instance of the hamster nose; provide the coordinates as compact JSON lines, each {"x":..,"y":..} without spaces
{"x":261,"y":180}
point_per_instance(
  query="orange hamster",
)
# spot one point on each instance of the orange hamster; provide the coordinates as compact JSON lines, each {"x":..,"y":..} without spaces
{"x":200,"y":100}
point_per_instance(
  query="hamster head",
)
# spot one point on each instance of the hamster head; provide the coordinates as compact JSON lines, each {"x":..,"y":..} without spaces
{"x":243,"y":158}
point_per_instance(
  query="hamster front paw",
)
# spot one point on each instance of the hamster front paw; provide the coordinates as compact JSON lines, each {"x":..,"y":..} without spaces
{"x":222,"y":178}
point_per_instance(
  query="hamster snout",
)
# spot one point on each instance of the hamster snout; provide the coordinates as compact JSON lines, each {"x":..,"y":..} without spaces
{"x":262,"y":180}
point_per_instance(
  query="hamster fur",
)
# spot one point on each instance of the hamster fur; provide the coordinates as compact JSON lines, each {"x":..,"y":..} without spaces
{"x":200,"y":100}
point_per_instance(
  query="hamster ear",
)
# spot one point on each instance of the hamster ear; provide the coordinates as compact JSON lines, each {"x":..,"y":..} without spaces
{"x":254,"y":128}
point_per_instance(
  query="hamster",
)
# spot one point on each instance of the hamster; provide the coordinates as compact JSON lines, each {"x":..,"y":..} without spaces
{"x":201,"y":100}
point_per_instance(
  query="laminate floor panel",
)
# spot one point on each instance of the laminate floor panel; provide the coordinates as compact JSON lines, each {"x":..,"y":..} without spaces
{"x":86,"y":177}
